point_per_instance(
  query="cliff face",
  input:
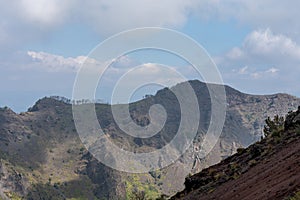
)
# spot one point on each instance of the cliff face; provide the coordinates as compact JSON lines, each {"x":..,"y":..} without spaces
{"x":44,"y":156}
{"x":269,"y":169}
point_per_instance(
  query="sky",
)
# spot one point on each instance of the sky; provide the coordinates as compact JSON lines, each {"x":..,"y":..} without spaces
{"x":43,"y":43}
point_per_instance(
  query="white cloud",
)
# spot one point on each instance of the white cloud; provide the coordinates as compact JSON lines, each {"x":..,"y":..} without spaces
{"x":262,"y":49}
{"x":256,"y":74}
{"x":235,"y":53}
{"x":243,"y":70}
{"x":56,"y":63}
{"x":113,"y":16}
{"x":264,"y":52}
{"x":265,"y":62}
{"x":137,"y":81}
{"x":31,"y":20}
{"x":44,"y":12}
{"x":272,"y":70}
{"x":280,"y":16}
{"x":119,"y":67}
{"x":265,"y":74}
{"x":131,"y":71}
{"x":264,"y":44}
{"x":168,"y":75}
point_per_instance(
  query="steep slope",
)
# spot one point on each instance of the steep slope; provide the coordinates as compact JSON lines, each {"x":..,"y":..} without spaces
{"x":269,"y":169}
{"x":42,"y":147}
{"x":42,"y":155}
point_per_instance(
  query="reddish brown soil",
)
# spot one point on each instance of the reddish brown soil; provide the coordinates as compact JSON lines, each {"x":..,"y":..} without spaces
{"x":275,"y":177}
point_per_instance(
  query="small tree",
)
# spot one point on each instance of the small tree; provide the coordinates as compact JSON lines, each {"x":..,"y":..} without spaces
{"x":273,"y":127}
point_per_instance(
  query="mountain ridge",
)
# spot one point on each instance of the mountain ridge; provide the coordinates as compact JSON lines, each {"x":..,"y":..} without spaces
{"x":43,"y":146}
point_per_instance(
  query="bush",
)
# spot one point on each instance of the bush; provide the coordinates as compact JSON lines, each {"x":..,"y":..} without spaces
{"x":240,"y":150}
{"x":273,"y":127}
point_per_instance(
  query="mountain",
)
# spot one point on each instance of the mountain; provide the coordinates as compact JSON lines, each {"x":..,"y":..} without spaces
{"x":42,"y":156}
{"x":268,"y":169}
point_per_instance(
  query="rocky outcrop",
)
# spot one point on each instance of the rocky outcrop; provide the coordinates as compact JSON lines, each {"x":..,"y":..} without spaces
{"x":11,"y":181}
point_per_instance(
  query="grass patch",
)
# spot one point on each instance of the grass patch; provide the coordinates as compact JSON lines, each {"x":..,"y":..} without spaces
{"x":135,"y":189}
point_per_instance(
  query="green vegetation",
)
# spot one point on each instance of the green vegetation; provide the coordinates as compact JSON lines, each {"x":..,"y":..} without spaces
{"x":13,"y":196}
{"x":240,"y":150}
{"x":136,"y":190}
{"x":274,"y":127}
{"x":295,"y":196}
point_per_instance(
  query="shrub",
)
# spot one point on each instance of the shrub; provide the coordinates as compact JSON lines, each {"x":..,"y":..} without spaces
{"x":274,"y":127}
{"x":240,"y":150}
